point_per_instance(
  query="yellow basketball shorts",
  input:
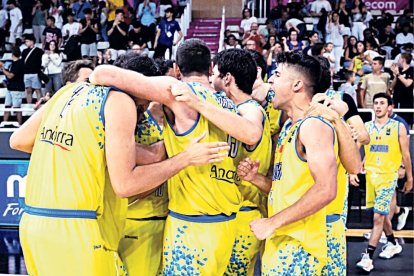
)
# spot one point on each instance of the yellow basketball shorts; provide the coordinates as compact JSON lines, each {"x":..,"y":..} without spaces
{"x":380,"y":189}
{"x":336,"y":239}
{"x":285,"y":256}
{"x":141,"y":246}
{"x":66,"y":246}
{"x":247,"y":246}
{"x":197,"y":245}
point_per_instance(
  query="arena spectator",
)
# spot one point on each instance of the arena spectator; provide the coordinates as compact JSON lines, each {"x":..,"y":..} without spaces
{"x":277,"y":10}
{"x":335,"y":31}
{"x":280,"y":24}
{"x":142,"y":51}
{"x":313,"y":39}
{"x":166,"y":30}
{"x":402,"y":85}
{"x":146,"y":14}
{"x":247,"y":20}
{"x":330,"y":56}
{"x":71,"y":28}
{"x":79,"y":9}
{"x":15,"y":84}
{"x":271,"y":41}
{"x":51,"y":32}
{"x":164,"y":4}
{"x":294,"y":7}
{"x":298,"y":25}
{"x":360,"y":18}
{"x":404,"y":19}
{"x":350,"y":51}
{"x":292,"y":44}
{"x":250,"y":45}
{"x":375,"y":82}
{"x":135,"y":36}
{"x":53,"y":65}
{"x":3,"y":31}
{"x":269,"y":30}
{"x":316,"y":12}
{"x":16,"y":22}
{"x":88,"y":31}
{"x":407,"y":48}
{"x":405,"y":36}
{"x":271,"y":58}
{"x":56,"y":10}
{"x":386,"y":40}
{"x":117,"y":33}
{"x":231,"y":43}
{"x":105,"y":57}
{"x":112,"y":6}
{"x":32,"y":57}
{"x":348,"y":86}
{"x":39,"y":13}
{"x":253,"y":35}
{"x":344,"y":16}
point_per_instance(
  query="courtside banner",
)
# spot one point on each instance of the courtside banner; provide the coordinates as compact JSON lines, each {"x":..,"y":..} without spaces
{"x":13,"y":174}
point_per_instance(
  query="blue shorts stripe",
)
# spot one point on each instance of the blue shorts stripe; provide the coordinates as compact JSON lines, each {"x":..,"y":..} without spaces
{"x":59,"y":213}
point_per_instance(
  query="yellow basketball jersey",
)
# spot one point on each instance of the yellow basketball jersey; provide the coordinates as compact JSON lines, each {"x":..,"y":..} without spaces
{"x":291,"y":180}
{"x":209,"y":189}
{"x":156,"y":204}
{"x":383,"y":153}
{"x":68,"y":167}
{"x":274,"y":115}
{"x":252,"y":196}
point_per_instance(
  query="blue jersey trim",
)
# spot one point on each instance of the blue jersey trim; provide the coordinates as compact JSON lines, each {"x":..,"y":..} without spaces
{"x":319,"y":118}
{"x":203,"y":218}
{"x":379,"y":130}
{"x":381,"y":212}
{"x":247,"y":209}
{"x":154,"y":121}
{"x":101,"y":111}
{"x":332,"y":218}
{"x":60,"y":213}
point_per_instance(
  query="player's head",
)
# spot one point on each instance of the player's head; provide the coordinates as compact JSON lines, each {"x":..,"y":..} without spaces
{"x":298,"y":76}
{"x":261,"y":67}
{"x":193,"y":58}
{"x":234,"y":67}
{"x":141,"y":64}
{"x":77,"y":71}
{"x":382,"y":105}
{"x":165,"y":67}
{"x":377,"y":64}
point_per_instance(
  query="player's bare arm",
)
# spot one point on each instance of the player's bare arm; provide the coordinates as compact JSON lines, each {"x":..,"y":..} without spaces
{"x":317,"y":138}
{"x":127,"y":178}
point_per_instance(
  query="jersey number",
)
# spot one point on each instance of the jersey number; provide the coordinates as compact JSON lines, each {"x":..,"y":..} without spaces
{"x":234,"y":146}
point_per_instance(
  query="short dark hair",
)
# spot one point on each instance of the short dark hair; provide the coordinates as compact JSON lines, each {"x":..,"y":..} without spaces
{"x":379,"y":59}
{"x":29,"y":37}
{"x":164,"y":65}
{"x":16,"y":52}
{"x":51,"y":18}
{"x":260,"y":61}
{"x":141,"y":64}
{"x":169,"y":10}
{"x":314,"y":69}
{"x":316,"y":49}
{"x":87,"y":11}
{"x":312,"y":33}
{"x":407,"y":57}
{"x":71,"y":69}
{"x":193,"y":57}
{"x":11,"y":2}
{"x":241,"y":65}
{"x":348,"y":74}
{"x":119,"y":11}
{"x":383,"y":95}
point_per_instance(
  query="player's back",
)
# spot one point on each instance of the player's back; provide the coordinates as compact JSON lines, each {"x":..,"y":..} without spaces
{"x":208,"y":189}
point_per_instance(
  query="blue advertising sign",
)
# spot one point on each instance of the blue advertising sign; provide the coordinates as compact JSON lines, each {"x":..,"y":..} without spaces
{"x":13,"y":174}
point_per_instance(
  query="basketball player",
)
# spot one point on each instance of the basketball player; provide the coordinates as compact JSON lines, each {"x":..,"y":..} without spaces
{"x":83,"y":163}
{"x":383,"y":155}
{"x":203,"y":200}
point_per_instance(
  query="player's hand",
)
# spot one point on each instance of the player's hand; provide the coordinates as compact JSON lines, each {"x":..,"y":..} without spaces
{"x":247,"y":169}
{"x":201,"y":153}
{"x":262,"y":228}
{"x":317,"y":109}
{"x":183,"y":93}
{"x":354,"y":180}
{"x":408,"y":186}
{"x":354,"y":133}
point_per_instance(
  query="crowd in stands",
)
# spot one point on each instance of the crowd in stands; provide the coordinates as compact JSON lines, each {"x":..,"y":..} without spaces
{"x":355,"y":43}
{"x":44,"y":35}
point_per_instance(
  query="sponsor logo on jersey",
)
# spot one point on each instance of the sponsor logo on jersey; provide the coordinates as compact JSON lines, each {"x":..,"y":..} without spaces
{"x":378,"y":148}
{"x":57,"y":138}
{"x":229,"y":176}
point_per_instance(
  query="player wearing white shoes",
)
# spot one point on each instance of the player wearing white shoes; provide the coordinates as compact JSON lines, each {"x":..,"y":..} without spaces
{"x":388,"y":145}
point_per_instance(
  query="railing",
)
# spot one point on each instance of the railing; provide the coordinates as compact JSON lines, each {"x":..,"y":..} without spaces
{"x":222,"y":29}
{"x":186,"y":18}
{"x":262,"y":7}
